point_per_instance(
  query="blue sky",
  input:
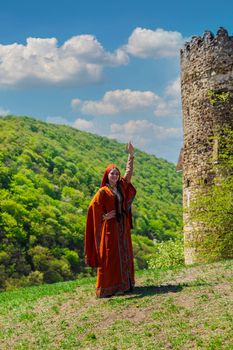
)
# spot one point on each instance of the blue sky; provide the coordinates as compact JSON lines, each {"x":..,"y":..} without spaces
{"x":107,"y":67}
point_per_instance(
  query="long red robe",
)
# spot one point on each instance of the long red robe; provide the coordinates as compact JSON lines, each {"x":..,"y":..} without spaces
{"x":108,"y":244}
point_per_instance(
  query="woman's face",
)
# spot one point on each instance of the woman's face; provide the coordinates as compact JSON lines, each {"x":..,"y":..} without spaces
{"x":113,"y":177}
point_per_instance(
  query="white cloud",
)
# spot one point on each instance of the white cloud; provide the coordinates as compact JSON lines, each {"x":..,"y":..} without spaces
{"x":118,"y":101}
{"x":79,"y":123}
{"x":87,"y":48}
{"x":126,"y":101}
{"x":149,"y":137}
{"x":98,"y":108}
{"x":57,"y":120}
{"x":135,"y":130}
{"x":168,"y":108}
{"x":146,"y":43}
{"x":4,"y":112}
{"x":79,"y":60}
{"x":170,"y":104}
{"x":83,"y":124}
{"x":75,"y":103}
{"x":173,"y":89}
{"x":143,"y":129}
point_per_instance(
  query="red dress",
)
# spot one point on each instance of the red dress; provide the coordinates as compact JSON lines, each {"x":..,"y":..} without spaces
{"x":108,"y":244}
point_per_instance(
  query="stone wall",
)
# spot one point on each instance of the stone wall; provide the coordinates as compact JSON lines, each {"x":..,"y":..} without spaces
{"x":206,"y":65}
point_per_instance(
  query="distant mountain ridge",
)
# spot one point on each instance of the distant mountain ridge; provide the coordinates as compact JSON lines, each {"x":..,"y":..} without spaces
{"x":48,"y":174}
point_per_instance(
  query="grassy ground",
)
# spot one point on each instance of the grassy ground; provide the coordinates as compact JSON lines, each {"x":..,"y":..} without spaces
{"x":188,"y":308}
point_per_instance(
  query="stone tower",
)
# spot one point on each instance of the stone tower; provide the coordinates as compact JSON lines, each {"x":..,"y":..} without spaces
{"x":206,"y":65}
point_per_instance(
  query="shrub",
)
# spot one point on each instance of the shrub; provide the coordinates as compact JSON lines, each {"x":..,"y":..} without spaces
{"x":33,"y":279}
{"x":73,"y":258}
{"x":167,"y":254}
{"x":52,"y":276}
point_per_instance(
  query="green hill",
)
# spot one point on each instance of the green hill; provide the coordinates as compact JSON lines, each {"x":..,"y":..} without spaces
{"x":48,"y":174}
{"x":188,"y":308}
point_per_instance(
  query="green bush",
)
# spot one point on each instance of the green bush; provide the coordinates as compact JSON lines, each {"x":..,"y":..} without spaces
{"x":33,"y":279}
{"x":167,"y":254}
{"x":72,"y":258}
{"x":52,"y":276}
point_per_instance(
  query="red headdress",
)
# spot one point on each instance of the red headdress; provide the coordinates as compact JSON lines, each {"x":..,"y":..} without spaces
{"x":107,"y":171}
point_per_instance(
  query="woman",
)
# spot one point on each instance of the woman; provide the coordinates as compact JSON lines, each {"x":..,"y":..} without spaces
{"x":108,"y":244}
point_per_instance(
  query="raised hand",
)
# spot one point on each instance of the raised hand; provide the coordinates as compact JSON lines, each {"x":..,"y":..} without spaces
{"x":130,"y":148}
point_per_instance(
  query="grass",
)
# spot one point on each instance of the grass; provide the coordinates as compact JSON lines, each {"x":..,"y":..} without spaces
{"x":183,"y":308}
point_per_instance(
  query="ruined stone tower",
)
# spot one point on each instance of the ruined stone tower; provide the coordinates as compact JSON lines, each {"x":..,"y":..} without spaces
{"x":206,"y":65}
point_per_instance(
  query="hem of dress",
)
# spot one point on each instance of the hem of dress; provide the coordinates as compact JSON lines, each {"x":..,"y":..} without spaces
{"x":107,"y":292}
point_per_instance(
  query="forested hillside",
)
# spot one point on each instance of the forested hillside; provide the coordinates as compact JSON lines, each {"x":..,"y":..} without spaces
{"x":48,"y":174}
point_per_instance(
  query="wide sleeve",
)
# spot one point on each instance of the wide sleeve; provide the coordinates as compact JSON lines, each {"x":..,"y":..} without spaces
{"x":129,"y":195}
{"x":129,"y":168}
{"x":93,"y":230}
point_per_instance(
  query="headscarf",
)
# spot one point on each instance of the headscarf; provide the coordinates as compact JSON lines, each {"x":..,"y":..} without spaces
{"x":106,"y":172}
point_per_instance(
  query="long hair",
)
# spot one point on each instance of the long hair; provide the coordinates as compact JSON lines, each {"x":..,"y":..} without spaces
{"x":105,"y":182}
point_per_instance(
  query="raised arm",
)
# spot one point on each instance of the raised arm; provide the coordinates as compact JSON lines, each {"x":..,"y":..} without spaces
{"x":129,"y":164}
